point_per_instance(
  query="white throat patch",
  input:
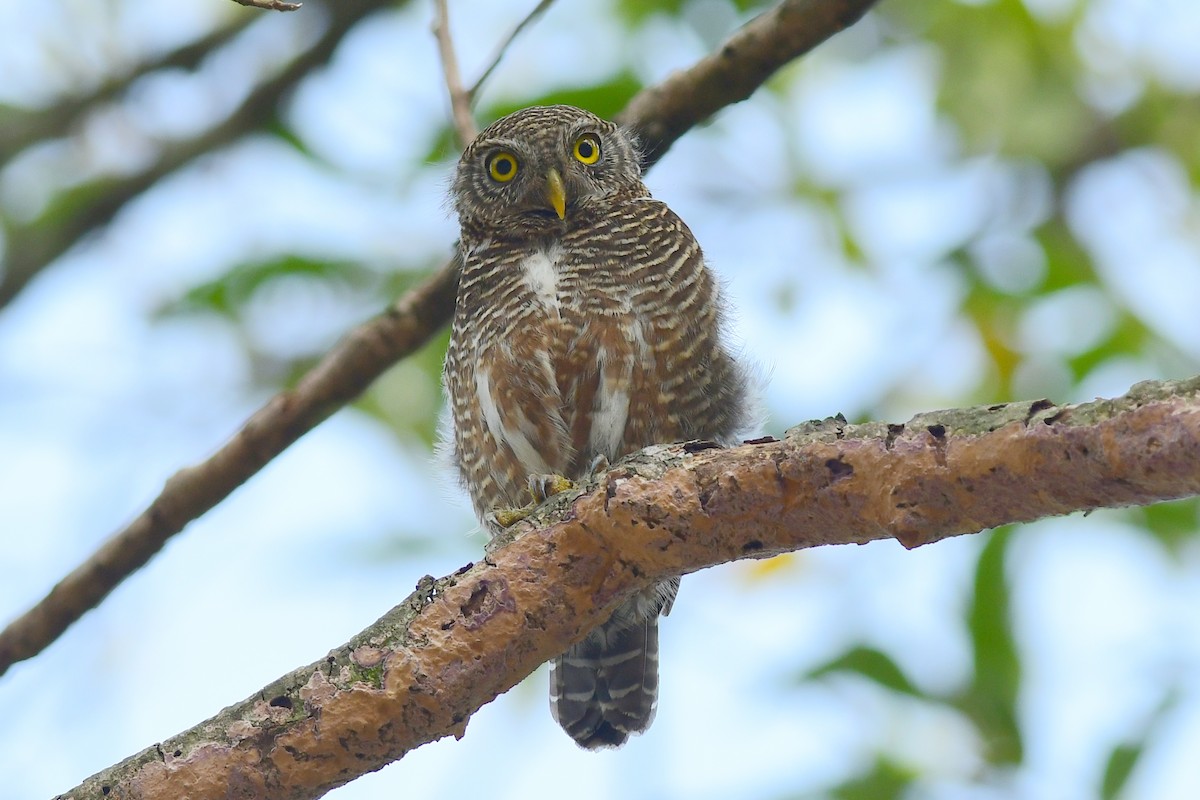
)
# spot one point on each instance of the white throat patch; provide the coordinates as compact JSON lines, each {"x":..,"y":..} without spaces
{"x":541,"y":276}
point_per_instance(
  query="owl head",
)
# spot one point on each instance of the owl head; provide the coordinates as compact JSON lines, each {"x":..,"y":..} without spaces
{"x":542,"y":170}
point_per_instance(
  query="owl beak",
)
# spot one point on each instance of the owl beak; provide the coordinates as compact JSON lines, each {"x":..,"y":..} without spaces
{"x":556,"y":193}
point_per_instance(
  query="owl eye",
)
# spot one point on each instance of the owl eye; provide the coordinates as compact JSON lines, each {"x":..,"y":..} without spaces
{"x":502,"y":166}
{"x":587,"y":148}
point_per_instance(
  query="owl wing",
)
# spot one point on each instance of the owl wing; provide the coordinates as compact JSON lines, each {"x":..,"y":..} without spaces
{"x":521,"y":412}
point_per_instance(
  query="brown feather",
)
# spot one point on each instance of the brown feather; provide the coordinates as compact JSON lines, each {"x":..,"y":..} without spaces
{"x":595,"y":335}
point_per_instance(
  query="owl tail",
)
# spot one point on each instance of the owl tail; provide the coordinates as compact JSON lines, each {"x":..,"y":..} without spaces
{"x":606,"y":687}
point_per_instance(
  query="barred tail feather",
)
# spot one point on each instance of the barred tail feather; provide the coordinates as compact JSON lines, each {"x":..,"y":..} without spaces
{"x":606,"y":687}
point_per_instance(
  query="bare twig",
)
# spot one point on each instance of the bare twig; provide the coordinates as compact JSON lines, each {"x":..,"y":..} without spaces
{"x":460,"y":99}
{"x":347,"y":370}
{"x":420,"y":672}
{"x":21,"y":128}
{"x":342,"y":375}
{"x":538,"y":10}
{"x":270,"y":5}
{"x":30,"y":248}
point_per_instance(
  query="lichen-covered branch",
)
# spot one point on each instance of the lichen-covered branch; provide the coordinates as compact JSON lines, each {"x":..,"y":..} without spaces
{"x":420,"y":672}
{"x":367,"y":351}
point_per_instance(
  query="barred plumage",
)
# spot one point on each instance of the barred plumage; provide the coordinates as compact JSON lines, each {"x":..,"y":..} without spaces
{"x":587,"y":325}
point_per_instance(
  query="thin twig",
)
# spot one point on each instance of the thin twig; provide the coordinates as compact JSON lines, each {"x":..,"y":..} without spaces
{"x":460,"y":100}
{"x":538,"y":10}
{"x":24,"y":127}
{"x":660,"y":114}
{"x":270,"y":5}
{"x":32,"y":247}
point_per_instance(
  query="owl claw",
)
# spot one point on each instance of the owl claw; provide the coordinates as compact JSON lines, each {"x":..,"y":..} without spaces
{"x":541,"y":488}
{"x":507,"y":517}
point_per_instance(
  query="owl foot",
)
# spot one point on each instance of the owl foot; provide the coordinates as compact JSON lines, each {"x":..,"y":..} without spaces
{"x":541,"y":487}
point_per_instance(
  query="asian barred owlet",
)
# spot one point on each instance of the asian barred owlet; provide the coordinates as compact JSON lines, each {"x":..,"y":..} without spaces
{"x":587,"y":327}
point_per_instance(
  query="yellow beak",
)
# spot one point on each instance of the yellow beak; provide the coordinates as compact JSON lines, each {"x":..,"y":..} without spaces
{"x":556,"y":193}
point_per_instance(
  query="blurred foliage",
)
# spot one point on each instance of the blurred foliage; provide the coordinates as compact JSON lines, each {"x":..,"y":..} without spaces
{"x":604,"y":99}
{"x":990,"y":700}
{"x":1174,"y":524}
{"x":870,"y":663}
{"x":636,"y":12}
{"x":229,"y":293}
{"x":885,"y":779}
{"x":1012,"y":86}
{"x":1125,"y":757}
{"x":1120,"y":766}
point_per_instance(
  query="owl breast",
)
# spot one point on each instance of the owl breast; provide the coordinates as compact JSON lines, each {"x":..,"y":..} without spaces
{"x":554,"y":387}
{"x":586,"y":325}
{"x":596,"y":344}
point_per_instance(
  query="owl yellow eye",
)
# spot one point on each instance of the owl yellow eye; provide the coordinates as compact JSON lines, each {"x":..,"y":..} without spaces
{"x":587,"y":148}
{"x":502,"y":166}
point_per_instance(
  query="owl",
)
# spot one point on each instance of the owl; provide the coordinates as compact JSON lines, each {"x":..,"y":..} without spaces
{"x":587,"y":326}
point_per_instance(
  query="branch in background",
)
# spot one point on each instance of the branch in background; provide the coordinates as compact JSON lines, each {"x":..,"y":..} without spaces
{"x":32,"y":247}
{"x":22,"y":128}
{"x":460,"y":99}
{"x":532,"y":17}
{"x":270,"y":5}
{"x":358,"y":360}
{"x":421,"y":671}
{"x":344,"y":372}
{"x":736,"y":70}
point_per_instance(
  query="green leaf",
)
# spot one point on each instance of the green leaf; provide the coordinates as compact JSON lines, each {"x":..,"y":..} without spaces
{"x":634,"y":12}
{"x":227,"y":294}
{"x":1173,"y":523}
{"x":991,"y":699}
{"x":1125,"y":757}
{"x":1129,"y":338}
{"x":603,"y":99}
{"x":875,"y":665}
{"x":887,"y":779}
{"x":1120,"y":766}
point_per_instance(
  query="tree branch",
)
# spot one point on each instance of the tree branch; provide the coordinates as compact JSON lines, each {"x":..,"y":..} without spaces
{"x":350,"y":367}
{"x":20,"y":128}
{"x":460,"y":98}
{"x":31,"y":247}
{"x":270,"y":5}
{"x":736,"y":70}
{"x":344,"y":372}
{"x":529,"y":19}
{"x":419,"y":673}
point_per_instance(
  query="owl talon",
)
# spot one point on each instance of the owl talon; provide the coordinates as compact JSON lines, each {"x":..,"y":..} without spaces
{"x":543,"y":487}
{"x":507,"y":517}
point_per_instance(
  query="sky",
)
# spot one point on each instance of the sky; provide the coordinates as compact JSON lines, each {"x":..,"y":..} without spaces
{"x":102,"y":398}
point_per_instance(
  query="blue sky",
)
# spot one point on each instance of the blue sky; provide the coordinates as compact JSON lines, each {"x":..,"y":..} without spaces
{"x":101,"y":401}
